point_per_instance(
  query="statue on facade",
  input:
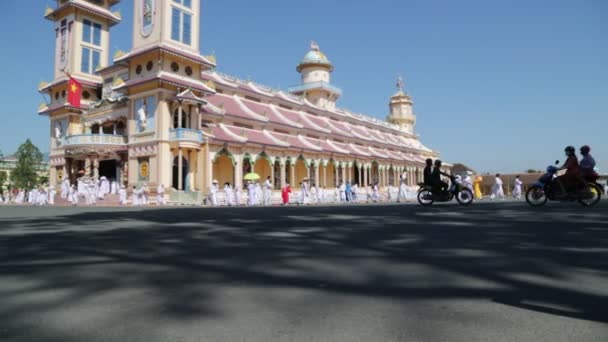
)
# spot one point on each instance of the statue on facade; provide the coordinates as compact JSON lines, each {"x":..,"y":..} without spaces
{"x":314,"y":46}
{"x":58,"y":133}
{"x":142,"y":116}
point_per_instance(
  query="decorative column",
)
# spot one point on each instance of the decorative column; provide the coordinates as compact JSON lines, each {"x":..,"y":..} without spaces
{"x":317,"y":179}
{"x":87,"y":166}
{"x":238,"y":170}
{"x":283,"y":175}
{"x":360,"y":170}
{"x":365,"y":181}
{"x":344,"y":166}
{"x":96,"y":167}
{"x":292,"y":172}
{"x":180,"y":114}
{"x":180,"y":171}
{"x":325,"y":175}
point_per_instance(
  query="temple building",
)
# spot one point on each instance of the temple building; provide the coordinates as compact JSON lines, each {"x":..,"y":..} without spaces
{"x":162,"y":114}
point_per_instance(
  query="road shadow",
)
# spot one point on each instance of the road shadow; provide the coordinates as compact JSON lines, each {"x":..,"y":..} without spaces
{"x":509,"y":254}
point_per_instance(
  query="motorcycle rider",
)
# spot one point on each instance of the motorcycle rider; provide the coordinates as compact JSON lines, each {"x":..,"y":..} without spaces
{"x":570,"y":179}
{"x":436,"y":177}
{"x":428,"y":172}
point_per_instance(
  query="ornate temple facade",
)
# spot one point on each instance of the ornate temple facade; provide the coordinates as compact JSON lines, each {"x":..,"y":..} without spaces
{"x":162,"y":114}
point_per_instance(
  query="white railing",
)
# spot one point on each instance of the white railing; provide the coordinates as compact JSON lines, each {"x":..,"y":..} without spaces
{"x":186,"y":134}
{"x":94,"y":139}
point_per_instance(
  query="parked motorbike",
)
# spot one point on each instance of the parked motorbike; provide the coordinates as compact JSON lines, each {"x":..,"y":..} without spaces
{"x":427,"y":195}
{"x":549,"y":188}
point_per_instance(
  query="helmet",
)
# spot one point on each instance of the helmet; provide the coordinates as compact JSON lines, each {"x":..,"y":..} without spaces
{"x":570,"y":149}
{"x":585,"y":149}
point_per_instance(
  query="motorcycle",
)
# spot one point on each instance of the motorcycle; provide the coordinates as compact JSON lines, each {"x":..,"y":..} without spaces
{"x":549,"y":188}
{"x":427,"y":194}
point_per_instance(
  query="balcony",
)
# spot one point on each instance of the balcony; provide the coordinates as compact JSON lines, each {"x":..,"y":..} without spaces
{"x":315,"y":85}
{"x":186,"y":135}
{"x":103,"y":140}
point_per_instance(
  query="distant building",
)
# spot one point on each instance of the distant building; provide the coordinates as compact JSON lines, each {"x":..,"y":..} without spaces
{"x":162,"y":114}
{"x":9,"y":164}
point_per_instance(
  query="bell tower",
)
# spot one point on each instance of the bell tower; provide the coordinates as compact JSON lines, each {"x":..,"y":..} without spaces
{"x":315,"y":70}
{"x":168,"y":22}
{"x":82,"y":36}
{"x":401,"y":109}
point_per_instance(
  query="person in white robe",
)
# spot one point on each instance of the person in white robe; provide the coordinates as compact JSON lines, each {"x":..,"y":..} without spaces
{"x":122,"y":195}
{"x":228,"y":195}
{"x":74,"y":195}
{"x":104,"y":187}
{"x":259,"y":197}
{"x":375,"y":193}
{"x":65,"y":188}
{"x":213,"y":189}
{"x":468,"y":181}
{"x":517,"y":188}
{"x":52,"y":193}
{"x":355,"y":192}
{"x":342,"y":190}
{"x":160,"y":194}
{"x":238,"y":194}
{"x":250,"y":193}
{"x":20,"y":197}
{"x":113,"y":187}
{"x":82,"y":186}
{"x":92,"y":192}
{"x":497,"y":190}
{"x":144,"y":191}
{"x":313,"y":194}
{"x":304,"y":193}
{"x":402,"y":191}
{"x":31,"y":196}
{"x":267,"y":192}
{"x":135,"y":197}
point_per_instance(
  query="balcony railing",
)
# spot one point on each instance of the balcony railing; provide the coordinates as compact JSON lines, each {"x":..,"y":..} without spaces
{"x":186,"y":134}
{"x":315,"y":85}
{"x":94,"y":139}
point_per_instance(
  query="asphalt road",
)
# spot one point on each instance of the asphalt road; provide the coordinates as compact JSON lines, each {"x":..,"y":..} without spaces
{"x":492,"y":272}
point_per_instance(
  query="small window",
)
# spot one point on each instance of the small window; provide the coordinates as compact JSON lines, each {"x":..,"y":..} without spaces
{"x":63,"y":93}
{"x":138,"y":69}
{"x":242,"y":125}
{"x":175,"y":67}
{"x":285,"y":107}
{"x":149,"y":66}
{"x":281,"y":131}
{"x":86,"y":94}
{"x":188,"y":71}
{"x":56,"y":96}
{"x":253,"y":99}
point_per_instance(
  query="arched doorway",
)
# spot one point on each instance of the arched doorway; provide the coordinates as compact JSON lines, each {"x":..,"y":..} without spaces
{"x":391,"y":176}
{"x":375,"y":175}
{"x":288,"y":179}
{"x":300,"y":172}
{"x":313,"y":174}
{"x":262,"y":167}
{"x":185,"y":168}
{"x":331,"y":174}
{"x":223,"y":168}
{"x":356,"y":176}
{"x":277,"y":175}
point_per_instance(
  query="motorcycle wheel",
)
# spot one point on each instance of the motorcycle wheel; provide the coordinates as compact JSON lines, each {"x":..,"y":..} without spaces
{"x":465,"y":197}
{"x":536,"y":197}
{"x":425,"y":198}
{"x":595,"y":199}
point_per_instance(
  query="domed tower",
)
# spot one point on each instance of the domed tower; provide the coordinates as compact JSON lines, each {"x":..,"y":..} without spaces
{"x":315,"y":86}
{"x":401,"y":109}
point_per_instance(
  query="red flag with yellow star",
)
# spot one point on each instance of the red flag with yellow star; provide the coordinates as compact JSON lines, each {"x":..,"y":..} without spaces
{"x":74,"y":91}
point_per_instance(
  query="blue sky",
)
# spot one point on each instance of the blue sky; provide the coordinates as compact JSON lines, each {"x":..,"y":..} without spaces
{"x":500,"y":86}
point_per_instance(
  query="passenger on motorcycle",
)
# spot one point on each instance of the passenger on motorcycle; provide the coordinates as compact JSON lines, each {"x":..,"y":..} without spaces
{"x":587,"y":164}
{"x":436,"y":177}
{"x":570,"y":180}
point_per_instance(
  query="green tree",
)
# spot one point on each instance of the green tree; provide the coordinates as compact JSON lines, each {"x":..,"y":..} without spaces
{"x":29,"y":159}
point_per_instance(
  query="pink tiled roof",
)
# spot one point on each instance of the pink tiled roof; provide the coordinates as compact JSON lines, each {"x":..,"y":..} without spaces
{"x":233,"y":108}
{"x":359,"y":150}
